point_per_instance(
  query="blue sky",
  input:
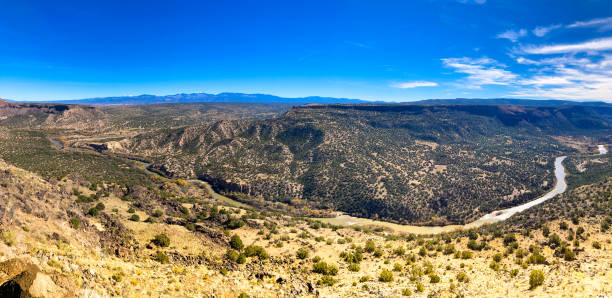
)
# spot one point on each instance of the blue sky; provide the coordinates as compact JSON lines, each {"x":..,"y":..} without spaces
{"x":378,"y":50}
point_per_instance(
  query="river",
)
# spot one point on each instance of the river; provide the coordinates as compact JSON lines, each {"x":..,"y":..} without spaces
{"x":495,"y":216}
{"x":57,"y":143}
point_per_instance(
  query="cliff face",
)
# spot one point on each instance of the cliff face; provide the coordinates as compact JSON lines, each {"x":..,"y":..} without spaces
{"x":35,"y":115}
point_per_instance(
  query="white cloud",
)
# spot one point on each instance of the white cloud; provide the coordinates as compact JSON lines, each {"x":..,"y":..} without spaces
{"x":512,"y":35}
{"x":564,"y":77}
{"x":407,"y":85}
{"x":569,"y":78}
{"x":596,"y":45}
{"x":602,"y":24}
{"x":482,"y":71}
{"x":541,"y":31}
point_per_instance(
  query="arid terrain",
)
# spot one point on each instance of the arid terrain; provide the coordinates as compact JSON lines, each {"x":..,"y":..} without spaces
{"x":104,"y":201}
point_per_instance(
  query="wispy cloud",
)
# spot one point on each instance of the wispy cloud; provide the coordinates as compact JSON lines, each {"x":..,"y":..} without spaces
{"x":356,"y":44}
{"x":602,"y":24}
{"x":481,"y":71}
{"x":414,"y":84}
{"x":473,"y":1}
{"x":542,"y":31}
{"x":567,"y":78}
{"x":512,"y":34}
{"x":595,"y":45}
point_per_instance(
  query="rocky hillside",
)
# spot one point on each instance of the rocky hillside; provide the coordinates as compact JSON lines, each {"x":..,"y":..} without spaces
{"x":73,"y":238}
{"x":65,"y":116}
{"x":415,"y":163}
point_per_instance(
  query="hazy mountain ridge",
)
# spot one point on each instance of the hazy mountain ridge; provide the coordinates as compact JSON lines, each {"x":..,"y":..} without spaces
{"x":267,"y":98}
{"x":205,"y":97}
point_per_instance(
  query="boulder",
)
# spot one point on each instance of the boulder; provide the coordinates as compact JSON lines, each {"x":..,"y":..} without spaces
{"x":31,"y":283}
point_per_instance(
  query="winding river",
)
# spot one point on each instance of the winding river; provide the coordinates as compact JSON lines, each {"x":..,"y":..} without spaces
{"x":495,"y":216}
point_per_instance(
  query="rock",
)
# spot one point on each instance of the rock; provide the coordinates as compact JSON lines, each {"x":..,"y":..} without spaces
{"x":31,"y":283}
{"x":254,"y":223}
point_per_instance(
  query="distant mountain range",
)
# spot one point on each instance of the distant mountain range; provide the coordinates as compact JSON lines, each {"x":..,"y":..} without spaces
{"x":205,"y":97}
{"x":263,"y":98}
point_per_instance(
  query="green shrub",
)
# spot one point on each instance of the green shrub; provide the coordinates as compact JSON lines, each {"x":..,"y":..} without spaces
{"x":131,"y":210}
{"x":385,"y":276}
{"x":327,"y":281}
{"x":567,"y":253}
{"x":536,"y":278}
{"x":397,"y":267}
{"x":378,"y":253}
{"x":494,"y":265}
{"x":554,"y":241}
{"x":134,"y":217}
{"x":406,"y":292}
{"x":352,"y":257}
{"x":596,"y":245}
{"x":75,"y":222}
{"x":474,"y":245}
{"x":420,"y":287}
{"x":241,"y":259}
{"x":354,"y":267}
{"x":466,"y":254}
{"x":370,"y":246}
{"x":236,"y":243}
{"x":364,"y":278}
{"x":434,"y":279}
{"x":333,"y":270}
{"x":117,"y":277}
{"x":256,"y":250}
{"x":422,"y":251}
{"x":449,"y":249}
{"x":9,"y":238}
{"x":462,"y":277}
{"x":536,"y":258}
{"x":93,"y":211}
{"x":161,"y":257}
{"x":320,"y":267}
{"x":231,"y":255}
{"x":497,"y":257}
{"x":514,"y":272}
{"x":400,"y":251}
{"x":161,"y":240}
{"x":158,"y":213}
{"x":302,"y":253}
{"x":509,"y":238}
